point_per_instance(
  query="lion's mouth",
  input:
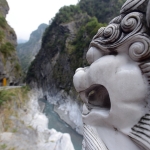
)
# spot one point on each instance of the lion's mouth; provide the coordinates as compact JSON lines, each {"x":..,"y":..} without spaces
{"x":96,"y":97}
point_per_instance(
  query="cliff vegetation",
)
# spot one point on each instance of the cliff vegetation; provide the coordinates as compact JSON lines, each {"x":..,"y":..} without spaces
{"x":11,"y":100}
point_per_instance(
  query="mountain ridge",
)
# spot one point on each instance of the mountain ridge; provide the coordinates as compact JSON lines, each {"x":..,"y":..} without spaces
{"x":28,"y":50}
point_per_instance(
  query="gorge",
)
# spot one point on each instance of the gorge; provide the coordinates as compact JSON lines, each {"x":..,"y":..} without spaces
{"x":64,"y":45}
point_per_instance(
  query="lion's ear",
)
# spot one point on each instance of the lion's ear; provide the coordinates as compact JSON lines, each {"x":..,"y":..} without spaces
{"x":148,"y":14}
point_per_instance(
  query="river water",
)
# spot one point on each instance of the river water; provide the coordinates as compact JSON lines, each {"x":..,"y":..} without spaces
{"x":58,"y":124}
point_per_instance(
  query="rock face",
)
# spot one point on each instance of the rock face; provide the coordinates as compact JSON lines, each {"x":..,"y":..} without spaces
{"x":9,"y":64}
{"x":52,"y":64}
{"x":27,"y":51}
{"x":64,"y":45}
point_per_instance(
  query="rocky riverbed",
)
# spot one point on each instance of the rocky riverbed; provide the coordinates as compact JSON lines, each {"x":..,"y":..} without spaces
{"x":30,"y":130}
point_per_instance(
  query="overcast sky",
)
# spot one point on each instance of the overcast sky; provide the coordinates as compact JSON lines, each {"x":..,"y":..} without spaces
{"x":26,"y":15}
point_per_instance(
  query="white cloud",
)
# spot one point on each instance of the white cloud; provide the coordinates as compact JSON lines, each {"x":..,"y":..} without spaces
{"x":26,"y":15}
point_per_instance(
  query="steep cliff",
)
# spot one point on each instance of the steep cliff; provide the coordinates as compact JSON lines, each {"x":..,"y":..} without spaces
{"x":27,"y":51}
{"x":9,"y":64}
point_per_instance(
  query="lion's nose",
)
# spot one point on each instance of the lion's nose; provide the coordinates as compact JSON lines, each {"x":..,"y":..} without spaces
{"x":93,"y":54}
{"x":80,"y":79}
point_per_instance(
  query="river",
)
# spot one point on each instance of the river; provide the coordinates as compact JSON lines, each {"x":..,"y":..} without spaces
{"x":58,"y":124}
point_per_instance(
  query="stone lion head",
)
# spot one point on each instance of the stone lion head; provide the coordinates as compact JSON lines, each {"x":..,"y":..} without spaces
{"x":115,"y":87}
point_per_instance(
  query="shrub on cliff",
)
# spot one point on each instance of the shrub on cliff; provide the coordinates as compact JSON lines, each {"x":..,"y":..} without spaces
{"x":13,"y":94}
{"x":5,"y":96}
{"x":11,"y":100}
{"x":3,"y":22}
{"x":66,"y":14}
{"x":2,"y":35}
{"x":7,"y":48}
{"x":17,"y":67}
